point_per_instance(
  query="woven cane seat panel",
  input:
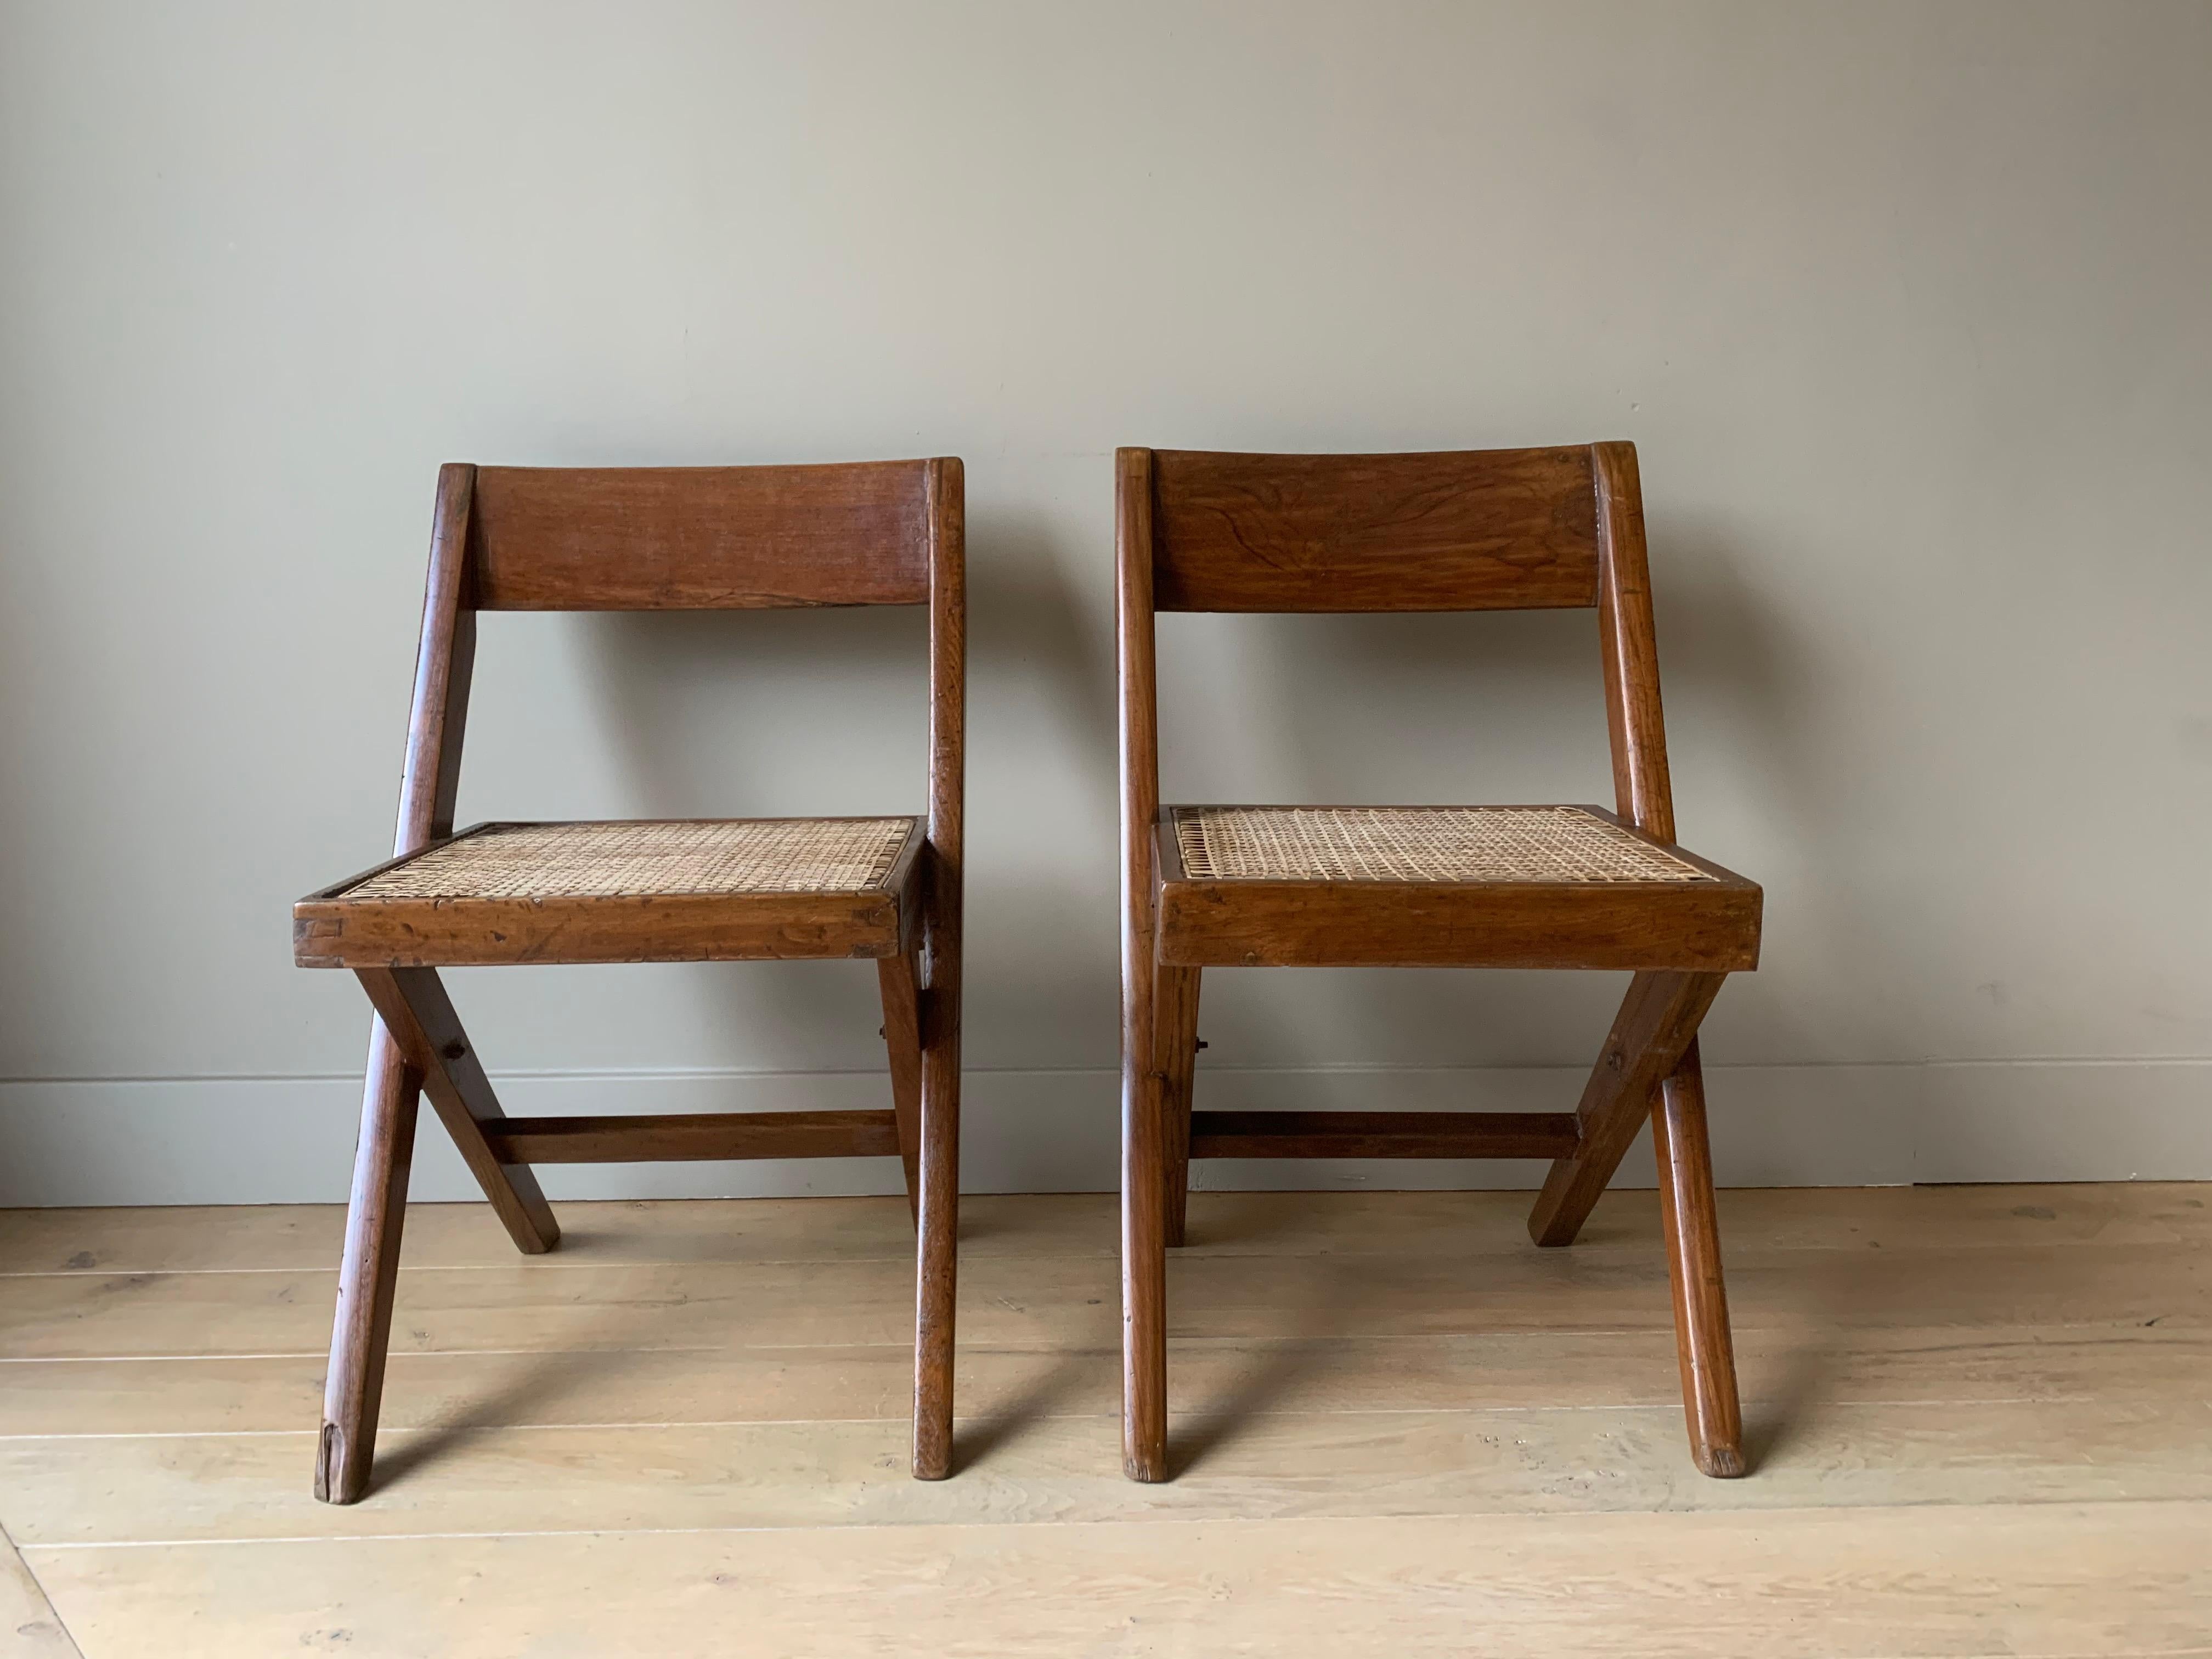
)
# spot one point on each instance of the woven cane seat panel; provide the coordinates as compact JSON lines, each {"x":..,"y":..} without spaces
{"x":1417,"y":844}
{"x":649,"y":859}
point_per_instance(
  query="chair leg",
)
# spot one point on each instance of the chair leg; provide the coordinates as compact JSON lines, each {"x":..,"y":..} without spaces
{"x":1658,"y":1020}
{"x":368,"y":1272}
{"x":902,"y":1036}
{"x":1177,"y":1004}
{"x":422,"y":1021}
{"x":1691,"y":1225}
{"x":938,"y":1244}
{"x":1144,"y":1242}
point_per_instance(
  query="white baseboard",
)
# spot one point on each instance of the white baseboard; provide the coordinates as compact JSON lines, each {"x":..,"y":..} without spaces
{"x":264,"y":1140}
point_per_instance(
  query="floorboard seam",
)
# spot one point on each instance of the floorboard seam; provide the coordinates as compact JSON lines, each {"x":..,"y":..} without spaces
{"x":1152,"y":1519}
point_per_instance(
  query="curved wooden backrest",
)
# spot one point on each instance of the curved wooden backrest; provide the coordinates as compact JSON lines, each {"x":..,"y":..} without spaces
{"x":700,"y":539}
{"x":1469,"y":529}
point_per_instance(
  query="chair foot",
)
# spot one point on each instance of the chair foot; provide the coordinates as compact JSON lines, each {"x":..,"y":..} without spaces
{"x":932,"y":1453}
{"x":1149,"y":1467}
{"x":339,"y":1479}
{"x":1720,"y":1463}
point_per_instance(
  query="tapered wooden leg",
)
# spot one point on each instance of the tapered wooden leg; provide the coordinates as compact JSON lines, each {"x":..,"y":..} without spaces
{"x":902,"y":1036}
{"x":938,"y":1243}
{"x":368,"y":1272}
{"x":1658,"y":1020}
{"x":422,"y":1021}
{"x":1177,"y":1028}
{"x":1143,"y":1240}
{"x":1686,"y":1212}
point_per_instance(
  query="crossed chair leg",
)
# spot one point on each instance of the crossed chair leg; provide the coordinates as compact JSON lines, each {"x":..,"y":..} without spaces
{"x":418,"y":1047}
{"x":1648,"y":1068}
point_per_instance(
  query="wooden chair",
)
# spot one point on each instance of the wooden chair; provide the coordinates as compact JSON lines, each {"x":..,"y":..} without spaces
{"x":724,"y":891}
{"x":1503,"y":887}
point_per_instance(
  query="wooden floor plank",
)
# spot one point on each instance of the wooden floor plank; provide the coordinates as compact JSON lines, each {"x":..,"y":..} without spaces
{"x":1978,"y":1417}
{"x":1234,"y":1467}
{"x":306,"y":1237}
{"x":1072,"y":1301}
{"x":2048,"y":1579}
{"x":1507,"y":1369}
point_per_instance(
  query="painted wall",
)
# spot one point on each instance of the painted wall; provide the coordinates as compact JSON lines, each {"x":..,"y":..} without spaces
{"x":1905,"y":307}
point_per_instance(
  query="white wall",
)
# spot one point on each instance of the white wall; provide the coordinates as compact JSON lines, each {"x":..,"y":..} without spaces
{"x":1906,"y":305}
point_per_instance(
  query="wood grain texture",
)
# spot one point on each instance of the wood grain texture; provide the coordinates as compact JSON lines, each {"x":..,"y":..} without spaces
{"x":1689,"y":927}
{"x":391,"y":1089}
{"x":899,"y":983}
{"x":2082,"y":1579}
{"x":2082,"y":1216}
{"x":653,"y":1138}
{"x":1977,"y":1416}
{"x":1629,"y":643}
{"x":1658,"y":1022}
{"x":1790,"y":1377}
{"x":333,"y":928}
{"x":1382,"y":1135}
{"x":939,"y":1007}
{"x":700,"y":539}
{"x":368,"y":1273}
{"x":1463,"y":530}
{"x":1175,"y":1030}
{"x":415,"y":1009}
{"x":1280,"y":1466}
{"x":1690,"y":1225}
{"x":1144,"y":1104}
{"x":1068,"y":1301}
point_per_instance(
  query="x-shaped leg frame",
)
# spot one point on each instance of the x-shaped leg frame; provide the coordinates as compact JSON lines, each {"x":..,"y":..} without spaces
{"x":419,"y":1047}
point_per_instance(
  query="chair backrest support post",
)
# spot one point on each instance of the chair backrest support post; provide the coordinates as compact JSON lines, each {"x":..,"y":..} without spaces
{"x":444,"y":663}
{"x":945,"y":495}
{"x":1633,"y":717}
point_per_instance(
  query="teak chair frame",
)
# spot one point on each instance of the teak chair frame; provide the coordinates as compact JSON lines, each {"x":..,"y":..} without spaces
{"x":1506,"y":529}
{"x":650,"y":539}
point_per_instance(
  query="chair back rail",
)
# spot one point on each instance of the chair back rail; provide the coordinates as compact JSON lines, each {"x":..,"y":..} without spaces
{"x":1476,"y":530}
{"x":700,"y":539}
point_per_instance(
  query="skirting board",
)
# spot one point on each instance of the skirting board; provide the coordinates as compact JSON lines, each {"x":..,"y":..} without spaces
{"x":264,"y":1140}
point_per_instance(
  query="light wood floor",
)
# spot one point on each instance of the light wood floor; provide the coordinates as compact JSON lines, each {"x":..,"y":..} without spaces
{"x":1981,"y":1424}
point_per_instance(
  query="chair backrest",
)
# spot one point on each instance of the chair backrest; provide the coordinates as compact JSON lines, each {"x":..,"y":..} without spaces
{"x":700,"y":539}
{"x":689,"y":538}
{"x":1474,"y":529}
{"x":1507,"y":529}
